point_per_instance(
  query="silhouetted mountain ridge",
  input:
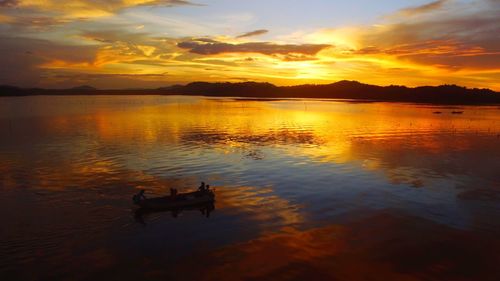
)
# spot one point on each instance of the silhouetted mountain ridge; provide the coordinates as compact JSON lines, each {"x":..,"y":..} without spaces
{"x":83,"y":88}
{"x":345,"y":89}
{"x":445,"y":94}
{"x":222,"y":89}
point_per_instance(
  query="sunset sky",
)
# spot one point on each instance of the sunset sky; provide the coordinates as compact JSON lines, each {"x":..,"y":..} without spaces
{"x":152,"y":43}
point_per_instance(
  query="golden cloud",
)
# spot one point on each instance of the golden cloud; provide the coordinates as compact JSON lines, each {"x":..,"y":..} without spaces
{"x":84,"y":9}
{"x":444,"y":44}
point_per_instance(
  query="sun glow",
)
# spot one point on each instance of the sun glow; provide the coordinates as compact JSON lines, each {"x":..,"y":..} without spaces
{"x":92,"y":39}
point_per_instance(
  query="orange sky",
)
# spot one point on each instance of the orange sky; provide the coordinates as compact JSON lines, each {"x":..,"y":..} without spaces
{"x":152,"y":43}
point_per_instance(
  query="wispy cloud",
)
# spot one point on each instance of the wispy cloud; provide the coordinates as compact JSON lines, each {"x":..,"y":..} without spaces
{"x":78,"y":9}
{"x":430,"y":44}
{"x":253,"y":33}
{"x":8,"y":3}
{"x":432,"y":6}
{"x":456,"y":40}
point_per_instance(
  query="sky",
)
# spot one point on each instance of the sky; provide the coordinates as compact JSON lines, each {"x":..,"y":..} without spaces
{"x":154,"y":43}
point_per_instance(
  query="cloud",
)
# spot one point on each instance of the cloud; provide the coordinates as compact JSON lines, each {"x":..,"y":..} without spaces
{"x":456,"y":44}
{"x":460,"y":38}
{"x":206,"y":40}
{"x":67,"y":79}
{"x":93,"y":76}
{"x":432,"y":6}
{"x":114,"y":35}
{"x":106,"y":75}
{"x":37,"y":22}
{"x":109,"y":5}
{"x":430,"y":47}
{"x":73,"y":10}
{"x":164,"y":3}
{"x":118,"y":46}
{"x":8,"y":3}
{"x":265,"y":48}
{"x":433,"y":44}
{"x":253,"y":33}
{"x":22,"y":57}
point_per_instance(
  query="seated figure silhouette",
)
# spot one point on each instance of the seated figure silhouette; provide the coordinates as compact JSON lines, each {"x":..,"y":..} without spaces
{"x":202,"y":186}
{"x":139,"y":196}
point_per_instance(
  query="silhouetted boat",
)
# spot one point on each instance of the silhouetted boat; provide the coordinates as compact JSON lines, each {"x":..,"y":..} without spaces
{"x":457,"y":112}
{"x":437,"y":112}
{"x":181,"y":200}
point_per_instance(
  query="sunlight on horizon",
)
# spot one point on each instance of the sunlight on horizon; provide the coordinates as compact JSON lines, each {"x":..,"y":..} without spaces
{"x":127,"y":44}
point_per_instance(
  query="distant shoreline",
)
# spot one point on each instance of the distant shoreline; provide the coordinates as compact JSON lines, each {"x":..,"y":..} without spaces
{"x":343,"y":90}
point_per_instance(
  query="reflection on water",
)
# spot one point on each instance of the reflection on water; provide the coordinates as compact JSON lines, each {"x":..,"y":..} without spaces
{"x":383,"y":246}
{"x":205,"y":209}
{"x":305,"y":189}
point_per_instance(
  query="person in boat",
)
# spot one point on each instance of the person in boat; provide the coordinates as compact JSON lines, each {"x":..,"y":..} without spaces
{"x":139,"y":196}
{"x":207,"y":188}
{"x":202,"y":186}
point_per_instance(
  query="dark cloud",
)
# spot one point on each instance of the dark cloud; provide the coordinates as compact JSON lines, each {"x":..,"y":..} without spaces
{"x":166,"y":3}
{"x":92,"y":76}
{"x":298,"y":57}
{"x":115,"y":35}
{"x":36,"y":22}
{"x":265,"y":48}
{"x":67,"y":79}
{"x":253,"y":33}
{"x":150,"y":62}
{"x":206,"y":40}
{"x":22,"y":57}
{"x":8,"y":3}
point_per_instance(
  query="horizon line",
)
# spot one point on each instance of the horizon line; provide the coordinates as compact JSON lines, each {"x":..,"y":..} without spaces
{"x":89,"y":86}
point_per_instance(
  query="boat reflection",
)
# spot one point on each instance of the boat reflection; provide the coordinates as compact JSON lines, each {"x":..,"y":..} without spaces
{"x":141,"y":214}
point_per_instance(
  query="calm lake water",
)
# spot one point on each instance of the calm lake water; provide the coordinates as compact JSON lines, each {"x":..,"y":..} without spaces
{"x":305,"y":190}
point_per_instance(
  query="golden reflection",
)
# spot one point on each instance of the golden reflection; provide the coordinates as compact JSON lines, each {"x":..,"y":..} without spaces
{"x":108,"y":147}
{"x":372,"y":136}
{"x":383,"y":246}
{"x":261,"y":203}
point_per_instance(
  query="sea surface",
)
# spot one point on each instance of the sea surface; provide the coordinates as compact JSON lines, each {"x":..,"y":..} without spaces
{"x":305,"y":189}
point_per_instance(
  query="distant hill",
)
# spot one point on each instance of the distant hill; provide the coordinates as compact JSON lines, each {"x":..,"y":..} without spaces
{"x":83,"y":88}
{"x":6,"y":90}
{"x":245,"y":89}
{"x":445,"y":94}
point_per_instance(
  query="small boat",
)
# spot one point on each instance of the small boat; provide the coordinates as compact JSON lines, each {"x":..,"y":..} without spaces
{"x":437,"y":112}
{"x":457,"y":112}
{"x":181,"y":200}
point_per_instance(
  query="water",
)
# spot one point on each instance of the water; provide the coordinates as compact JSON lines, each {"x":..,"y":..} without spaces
{"x":305,"y":190}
